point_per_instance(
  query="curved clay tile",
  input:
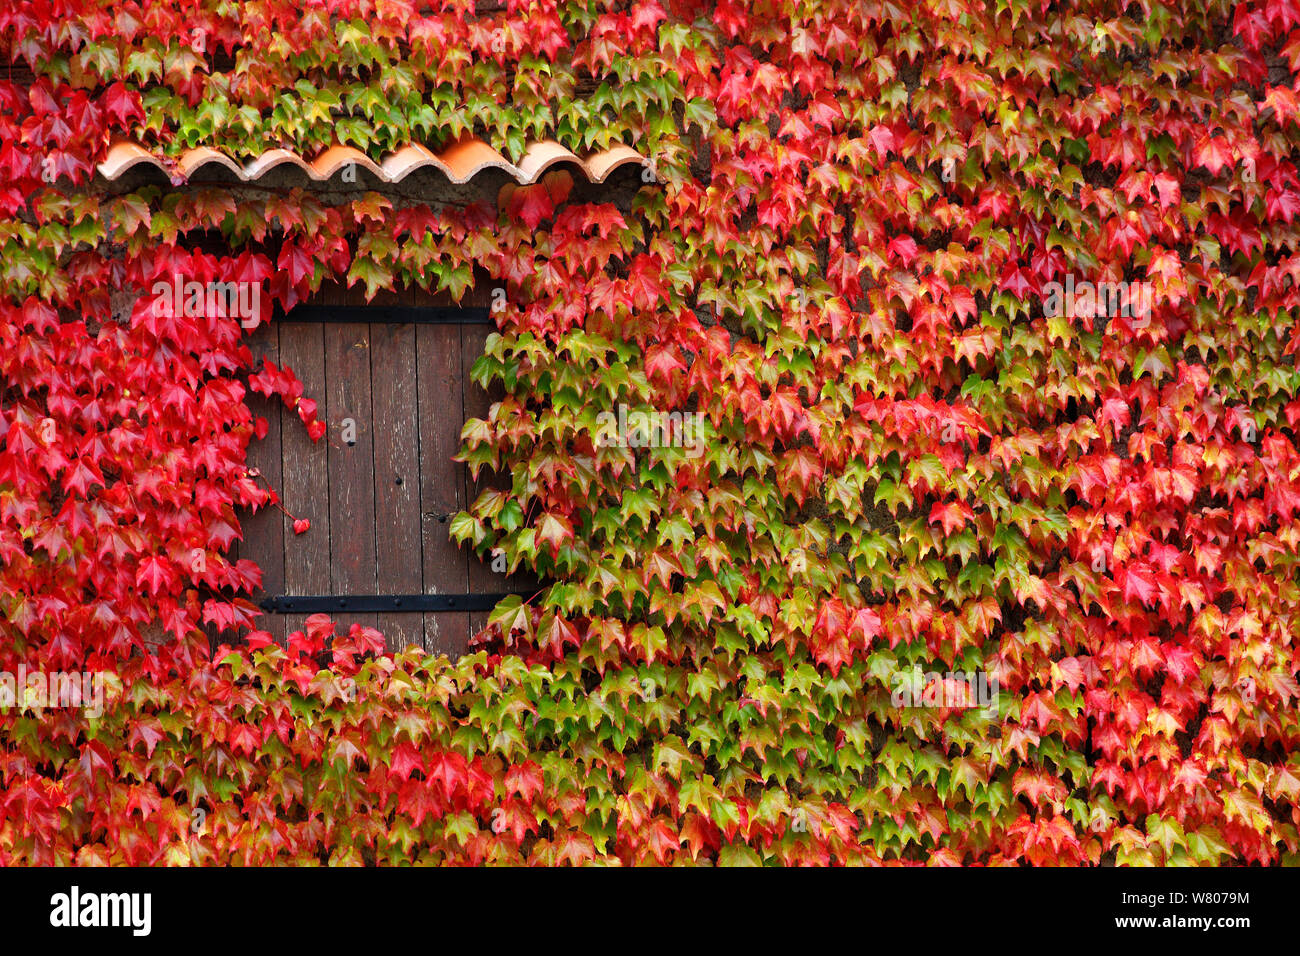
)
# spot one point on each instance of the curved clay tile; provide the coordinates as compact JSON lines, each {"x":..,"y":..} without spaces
{"x":460,"y":162}
{"x":271,"y":159}
{"x":399,"y":165}
{"x":336,"y":157}
{"x":539,"y":157}
{"x":600,"y":165}
{"x":192,"y":159}
{"x":123,"y":156}
{"x":468,"y":157}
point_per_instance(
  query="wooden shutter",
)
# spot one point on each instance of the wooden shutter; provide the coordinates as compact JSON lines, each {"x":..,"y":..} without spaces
{"x":380,"y":509}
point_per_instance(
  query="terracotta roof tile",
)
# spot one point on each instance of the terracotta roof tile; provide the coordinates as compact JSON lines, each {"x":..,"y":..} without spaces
{"x":459,"y":162}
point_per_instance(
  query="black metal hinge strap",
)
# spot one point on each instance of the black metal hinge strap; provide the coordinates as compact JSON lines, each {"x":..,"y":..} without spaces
{"x":368,"y":603}
{"x":388,"y":314}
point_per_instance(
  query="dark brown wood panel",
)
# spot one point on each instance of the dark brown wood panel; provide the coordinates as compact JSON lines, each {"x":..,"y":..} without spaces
{"x":442,"y":487}
{"x":478,"y":404}
{"x":351,"y":466}
{"x":397,"y":476}
{"x":305,"y":492}
{"x":264,"y":531}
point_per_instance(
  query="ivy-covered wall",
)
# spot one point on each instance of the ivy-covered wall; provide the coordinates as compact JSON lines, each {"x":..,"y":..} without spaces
{"x":981,"y":549}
